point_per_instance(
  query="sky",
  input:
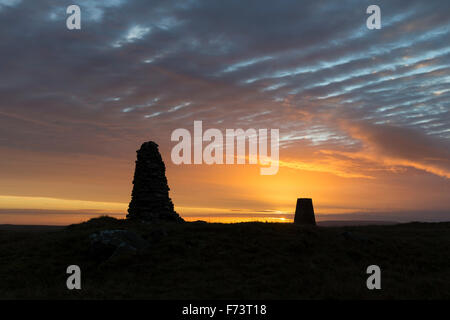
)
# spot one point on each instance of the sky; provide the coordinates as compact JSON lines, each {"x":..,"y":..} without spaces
{"x":363,"y":114}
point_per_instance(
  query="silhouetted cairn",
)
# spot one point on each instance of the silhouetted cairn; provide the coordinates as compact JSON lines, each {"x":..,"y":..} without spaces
{"x":304,"y":212}
{"x":150,"y":196}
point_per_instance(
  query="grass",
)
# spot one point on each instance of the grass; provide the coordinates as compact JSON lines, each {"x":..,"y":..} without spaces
{"x":231,"y":261}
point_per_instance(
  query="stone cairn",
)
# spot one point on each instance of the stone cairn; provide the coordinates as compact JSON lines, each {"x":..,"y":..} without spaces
{"x":150,"y":199}
{"x":304,"y":212}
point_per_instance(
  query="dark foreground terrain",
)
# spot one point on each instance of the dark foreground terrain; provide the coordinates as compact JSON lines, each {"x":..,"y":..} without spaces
{"x":233,"y":261}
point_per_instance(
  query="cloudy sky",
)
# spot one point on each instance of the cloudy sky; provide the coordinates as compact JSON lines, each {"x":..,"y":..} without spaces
{"x":363,"y":114}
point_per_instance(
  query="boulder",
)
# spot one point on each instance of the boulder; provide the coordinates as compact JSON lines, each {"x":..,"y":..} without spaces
{"x":112,"y":243}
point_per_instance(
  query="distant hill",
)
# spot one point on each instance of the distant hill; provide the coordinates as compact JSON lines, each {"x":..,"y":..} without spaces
{"x":17,"y":227}
{"x":341,"y":223}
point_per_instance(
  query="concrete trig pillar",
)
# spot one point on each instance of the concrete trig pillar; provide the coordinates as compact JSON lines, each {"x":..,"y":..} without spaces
{"x":304,"y":212}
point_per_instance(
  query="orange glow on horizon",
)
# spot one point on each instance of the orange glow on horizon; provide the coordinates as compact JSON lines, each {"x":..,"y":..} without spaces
{"x":218,"y":193}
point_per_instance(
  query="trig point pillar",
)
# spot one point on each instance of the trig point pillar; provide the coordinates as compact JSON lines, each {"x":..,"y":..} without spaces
{"x":304,"y":212}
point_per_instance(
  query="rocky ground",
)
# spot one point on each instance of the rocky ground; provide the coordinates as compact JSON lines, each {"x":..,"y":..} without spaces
{"x":123,"y":259}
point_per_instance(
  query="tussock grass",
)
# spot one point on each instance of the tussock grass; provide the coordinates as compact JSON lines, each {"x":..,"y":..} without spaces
{"x":231,"y":261}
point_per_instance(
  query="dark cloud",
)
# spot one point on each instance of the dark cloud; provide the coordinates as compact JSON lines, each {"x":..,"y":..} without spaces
{"x":139,"y":69}
{"x":405,"y":146}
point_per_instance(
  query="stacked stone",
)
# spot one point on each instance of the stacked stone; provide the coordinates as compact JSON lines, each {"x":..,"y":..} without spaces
{"x":150,"y":199}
